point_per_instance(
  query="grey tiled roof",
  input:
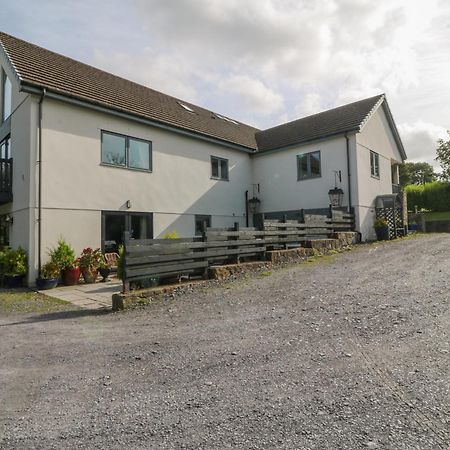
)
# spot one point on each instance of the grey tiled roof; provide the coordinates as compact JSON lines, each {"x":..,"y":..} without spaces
{"x":327,"y":123}
{"x":39,"y":67}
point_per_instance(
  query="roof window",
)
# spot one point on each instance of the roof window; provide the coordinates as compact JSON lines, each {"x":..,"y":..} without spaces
{"x":225,"y":118}
{"x":186,"y":107}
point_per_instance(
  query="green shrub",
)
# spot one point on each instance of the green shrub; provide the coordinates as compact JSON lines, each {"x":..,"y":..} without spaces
{"x":63,"y":255}
{"x":433,"y":196}
{"x":13,"y":262}
{"x":121,"y":262}
{"x":50,"y":270}
{"x":171,"y":235}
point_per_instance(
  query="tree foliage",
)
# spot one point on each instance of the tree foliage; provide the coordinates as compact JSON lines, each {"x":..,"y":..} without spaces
{"x":416,"y":173}
{"x":443,"y":157}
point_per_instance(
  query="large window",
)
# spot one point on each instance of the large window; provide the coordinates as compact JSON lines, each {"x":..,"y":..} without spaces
{"x":308,"y":165}
{"x":199,"y":221}
{"x":115,"y":223}
{"x":6,"y":96}
{"x":126,"y":151}
{"x":219,"y":168}
{"x":375,"y":164}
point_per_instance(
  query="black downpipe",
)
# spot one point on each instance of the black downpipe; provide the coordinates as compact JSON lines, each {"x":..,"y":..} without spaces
{"x":246,"y":209}
{"x":41,"y":100}
{"x":348,"y":175}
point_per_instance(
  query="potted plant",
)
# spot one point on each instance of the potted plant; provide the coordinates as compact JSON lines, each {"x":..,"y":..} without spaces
{"x":90,"y":260}
{"x":104,"y":269}
{"x":50,"y":272}
{"x":382,"y":229}
{"x":14,"y":264}
{"x":64,"y":256}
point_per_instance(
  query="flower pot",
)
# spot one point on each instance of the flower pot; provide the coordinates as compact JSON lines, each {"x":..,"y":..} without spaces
{"x":70,"y":277}
{"x":13,"y":281}
{"x":382,"y":233}
{"x":104,"y":272}
{"x":43,"y":284}
{"x":89,"y":275}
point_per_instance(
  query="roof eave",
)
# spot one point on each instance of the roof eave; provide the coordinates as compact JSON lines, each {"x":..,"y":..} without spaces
{"x":306,"y":142}
{"x":32,"y":88}
{"x":390,"y":118}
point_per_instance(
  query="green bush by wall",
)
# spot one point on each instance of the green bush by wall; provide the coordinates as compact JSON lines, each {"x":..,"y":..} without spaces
{"x":433,"y":196}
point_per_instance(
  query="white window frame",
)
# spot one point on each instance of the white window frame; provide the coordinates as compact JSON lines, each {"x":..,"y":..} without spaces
{"x":221,"y":176}
{"x":374,"y":165}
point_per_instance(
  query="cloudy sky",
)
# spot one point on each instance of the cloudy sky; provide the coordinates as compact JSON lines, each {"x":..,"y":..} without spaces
{"x":263,"y":62}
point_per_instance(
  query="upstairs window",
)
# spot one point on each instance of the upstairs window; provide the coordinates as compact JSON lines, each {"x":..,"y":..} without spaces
{"x":308,"y":165}
{"x":219,"y":168}
{"x":375,"y":164}
{"x":6,"y":96}
{"x":126,"y":151}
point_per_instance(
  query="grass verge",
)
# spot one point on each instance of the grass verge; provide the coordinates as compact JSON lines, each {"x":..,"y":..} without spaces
{"x":24,"y":301}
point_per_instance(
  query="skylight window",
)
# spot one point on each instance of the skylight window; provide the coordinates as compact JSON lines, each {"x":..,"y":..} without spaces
{"x":186,"y":107}
{"x":225,"y":118}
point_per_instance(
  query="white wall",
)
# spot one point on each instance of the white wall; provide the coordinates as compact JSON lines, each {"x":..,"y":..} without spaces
{"x":76,"y":187}
{"x":277,"y":174}
{"x":23,"y":127}
{"x":375,"y":136}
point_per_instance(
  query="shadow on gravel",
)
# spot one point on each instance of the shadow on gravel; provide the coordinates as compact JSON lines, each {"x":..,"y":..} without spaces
{"x":61,"y":315}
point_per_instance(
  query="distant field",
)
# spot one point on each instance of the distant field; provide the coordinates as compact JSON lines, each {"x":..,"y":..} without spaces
{"x":437,"y":216}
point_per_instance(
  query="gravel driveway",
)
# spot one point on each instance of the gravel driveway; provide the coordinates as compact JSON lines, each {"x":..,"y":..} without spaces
{"x":348,"y":353}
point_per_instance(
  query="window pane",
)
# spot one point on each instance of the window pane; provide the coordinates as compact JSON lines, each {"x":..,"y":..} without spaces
{"x":113,"y":149}
{"x":114,"y":229}
{"x":223,"y":169}
{"x":315,"y":164}
{"x":215,"y":167}
{"x":139,"y":154}
{"x":302,"y":166}
{"x":7,"y":95}
{"x":199,"y":219}
{"x":141,"y":226}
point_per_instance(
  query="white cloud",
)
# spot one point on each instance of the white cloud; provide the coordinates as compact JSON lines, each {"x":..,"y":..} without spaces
{"x":252,"y":94}
{"x":419,"y":140}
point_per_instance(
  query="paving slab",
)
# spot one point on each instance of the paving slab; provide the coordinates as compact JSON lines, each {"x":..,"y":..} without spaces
{"x":88,"y":296}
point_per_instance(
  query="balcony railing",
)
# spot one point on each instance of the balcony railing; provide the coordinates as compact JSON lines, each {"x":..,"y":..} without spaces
{"x":6,"y":173}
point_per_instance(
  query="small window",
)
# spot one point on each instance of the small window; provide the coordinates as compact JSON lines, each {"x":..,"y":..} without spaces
{"x":125,"y":151}
{"x":199,"y":221}
{"x":227,"y":119}
{"x":308,"y":165}
{"x":6,"y":96}
{"x":375,"y":164}
{"x":219,"y":168}
{"x":186,"y":107}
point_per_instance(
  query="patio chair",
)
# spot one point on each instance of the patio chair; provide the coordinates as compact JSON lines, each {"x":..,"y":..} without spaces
{"x":112,"y":260}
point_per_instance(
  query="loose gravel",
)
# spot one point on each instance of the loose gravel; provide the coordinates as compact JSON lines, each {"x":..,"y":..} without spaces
{"x":348,"y":353}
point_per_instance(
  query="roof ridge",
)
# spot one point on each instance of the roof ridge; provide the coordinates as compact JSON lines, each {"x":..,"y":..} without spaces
{"x":321,"y":112}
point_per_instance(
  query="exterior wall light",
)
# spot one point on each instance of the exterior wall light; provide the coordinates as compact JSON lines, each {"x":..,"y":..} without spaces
{"x":253,"y":205}
{"x":336,"y":196}
{"x":128,"y":204}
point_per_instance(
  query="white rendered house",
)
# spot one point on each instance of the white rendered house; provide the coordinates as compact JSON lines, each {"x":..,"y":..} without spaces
{"x":86,"y":155}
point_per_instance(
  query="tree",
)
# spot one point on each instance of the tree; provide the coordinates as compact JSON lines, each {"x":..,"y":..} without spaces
{"x":443,"y":157}
{"x":416,"y":173}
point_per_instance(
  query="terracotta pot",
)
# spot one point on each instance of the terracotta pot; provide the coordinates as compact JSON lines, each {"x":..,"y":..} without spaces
{"x":70,"y":277}
{"x":89,"y":275}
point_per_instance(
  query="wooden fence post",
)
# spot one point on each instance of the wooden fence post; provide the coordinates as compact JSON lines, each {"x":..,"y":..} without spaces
{"x":125,"y":281}
{"x":205,"y":239}
{"x":236,"y":228}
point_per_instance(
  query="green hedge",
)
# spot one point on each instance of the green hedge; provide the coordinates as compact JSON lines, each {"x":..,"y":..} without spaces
{"x":433,"y":196}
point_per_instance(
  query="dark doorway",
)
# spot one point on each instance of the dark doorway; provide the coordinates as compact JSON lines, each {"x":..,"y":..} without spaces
{"x":114,"y":224}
